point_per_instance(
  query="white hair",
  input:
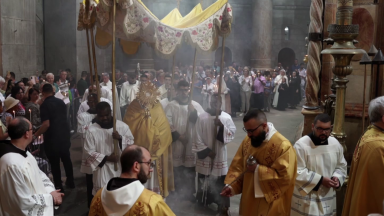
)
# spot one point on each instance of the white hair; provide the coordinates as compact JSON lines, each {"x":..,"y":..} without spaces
{"x":376,"y":109}
{"x":2,"y":80}
{"x":50,"y":74}
{"x":105,"y":74}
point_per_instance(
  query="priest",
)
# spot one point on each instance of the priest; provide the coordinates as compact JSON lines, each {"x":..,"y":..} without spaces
{"x":163,"y":89}
{"x":126,"y":195}
{"x":278,"y":80}
{"x":99,"y":147}
{"x":129,"y":91}
{"x":150,"y":127}
{"x":365,"y":185}
{"x":209,"y":148}
{"x":266,"y":186}
{"x":179,"y":113}
{"x":321,"y":170}
{"x":84,"y":120}
{"x":24,"y":188}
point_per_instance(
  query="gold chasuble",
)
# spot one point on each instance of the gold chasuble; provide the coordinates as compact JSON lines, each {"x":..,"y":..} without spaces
{"x":365,"y":189}
{"x":149,"y":125}
{"x":276,"y":175}
{"x":148,"y":204}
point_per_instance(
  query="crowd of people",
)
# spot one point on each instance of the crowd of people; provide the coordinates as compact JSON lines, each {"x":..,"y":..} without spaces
{"x":162,"y":141}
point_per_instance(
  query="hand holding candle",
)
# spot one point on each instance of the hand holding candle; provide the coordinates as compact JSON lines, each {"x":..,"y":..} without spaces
{"x":14,"y":115}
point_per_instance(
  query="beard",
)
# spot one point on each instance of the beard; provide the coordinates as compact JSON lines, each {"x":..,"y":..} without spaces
{"x":143,"y":177}
{"x":258,"y":140}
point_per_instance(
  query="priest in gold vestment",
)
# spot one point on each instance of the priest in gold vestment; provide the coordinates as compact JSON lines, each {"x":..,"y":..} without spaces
{"x":365,"y":189}
{"x":267,"y":186}
{"x":126,"y":195}
{"x":149,"y":124}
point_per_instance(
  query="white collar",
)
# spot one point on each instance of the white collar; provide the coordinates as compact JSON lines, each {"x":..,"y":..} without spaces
{"x":118,"y":202}
{"x":271,"y":132}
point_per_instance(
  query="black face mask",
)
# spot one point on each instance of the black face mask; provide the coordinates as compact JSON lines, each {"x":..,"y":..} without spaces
{"x":142,"y":177}
{"x":258,"y":140}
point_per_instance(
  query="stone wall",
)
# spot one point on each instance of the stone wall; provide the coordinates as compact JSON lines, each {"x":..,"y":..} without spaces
{"x":22,"y":37}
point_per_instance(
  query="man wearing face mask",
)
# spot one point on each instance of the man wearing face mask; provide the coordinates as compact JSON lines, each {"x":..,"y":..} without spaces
{"x":99,"y":147}
{"x":266,"y":186}
{"x":321,"y":169}
{"x":126,"y":195}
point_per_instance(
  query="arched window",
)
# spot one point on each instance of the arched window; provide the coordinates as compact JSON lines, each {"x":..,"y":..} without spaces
{"x":286,"y":33}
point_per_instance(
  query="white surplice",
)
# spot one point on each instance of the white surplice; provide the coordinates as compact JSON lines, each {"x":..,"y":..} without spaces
{"x":278,"y":81}
{"x":177,"y":116}
{"x":203,"y":139}
{"x":84,"y":105}
{"x":108,"y":84}
{"x":24,"y":188}
{"x":128,"y":93}
{"x":105,"y":92}
{"x":84,"y":120}
{"x":206,"y":96}
{"x":98,"y":144}
{"x":164,"y":103}
{"x":312,"y":163}
{"x":163,"y":92}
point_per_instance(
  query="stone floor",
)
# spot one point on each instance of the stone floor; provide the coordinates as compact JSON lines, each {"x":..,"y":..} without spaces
{"x":75,"y":201}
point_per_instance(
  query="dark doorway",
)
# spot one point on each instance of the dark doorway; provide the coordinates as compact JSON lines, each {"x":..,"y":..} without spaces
{"x":286,"y":57}
{"x":227,"y":56}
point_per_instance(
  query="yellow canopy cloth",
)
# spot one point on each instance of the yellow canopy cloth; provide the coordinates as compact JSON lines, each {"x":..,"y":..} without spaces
{"x":153,"y":133}
{"x":135,"y":23}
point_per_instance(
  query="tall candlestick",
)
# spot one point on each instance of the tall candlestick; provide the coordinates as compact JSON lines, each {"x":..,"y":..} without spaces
{"x":30,"y":116}
{"x":14,"y":114}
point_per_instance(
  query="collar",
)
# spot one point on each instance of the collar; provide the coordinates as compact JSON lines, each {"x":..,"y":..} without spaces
{"x":377,"y":127}
{"x":271,"y":131}
{"x":180,"y":103}
{"x":7,"y":147}
{"x":106,"y":126}
{"x":116,"y":183}
{"x":316,"y":141}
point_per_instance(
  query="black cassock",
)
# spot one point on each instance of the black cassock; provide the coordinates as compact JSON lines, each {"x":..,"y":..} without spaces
{"x":294,"y":97}
{"x":283,"y":96}
{"x":234,"y":92}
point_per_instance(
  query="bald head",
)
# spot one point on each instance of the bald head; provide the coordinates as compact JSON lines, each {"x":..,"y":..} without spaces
{"x":130,"y":155}
{"x":19,"y":127}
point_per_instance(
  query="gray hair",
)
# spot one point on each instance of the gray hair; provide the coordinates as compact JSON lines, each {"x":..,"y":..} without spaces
{"x":376,"y":109}
{"x":105,"y":74}
{"x":50,"y":74}
{"x":2,"y":80}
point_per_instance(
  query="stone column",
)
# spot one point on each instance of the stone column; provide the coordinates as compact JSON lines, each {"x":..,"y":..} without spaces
{"x":262,"y":34}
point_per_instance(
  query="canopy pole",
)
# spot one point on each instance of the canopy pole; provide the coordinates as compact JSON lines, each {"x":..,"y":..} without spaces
{"x":219,"y":95}
{"x":190,"y":99}
{"x":115,"y":142}
{"x":365,"y":86}
{"x":89,"y":58}
{"x":173,"y":68}
{"x":95,"y":65}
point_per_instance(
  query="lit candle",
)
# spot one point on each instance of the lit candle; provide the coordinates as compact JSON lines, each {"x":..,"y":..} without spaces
{"x":30,"y":115}
{"x":13,"y":113}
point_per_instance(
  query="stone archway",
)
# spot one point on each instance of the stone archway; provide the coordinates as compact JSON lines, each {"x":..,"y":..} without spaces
{"x":286,"y":57}
{"x":227,"y":55}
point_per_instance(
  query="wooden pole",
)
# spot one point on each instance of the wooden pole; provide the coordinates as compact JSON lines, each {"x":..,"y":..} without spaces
{"x":173,"y":68}
{"x":95,"y":65}
{"x":365,"y":86}
{"x":190,"y":100}
{"x":115,"y":142}
{"x":219,"y":95}
{"x":89,"y":58}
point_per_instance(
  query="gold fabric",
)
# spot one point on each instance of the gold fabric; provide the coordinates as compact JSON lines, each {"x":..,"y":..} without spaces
{"x":365,"y":189}
{"x":148,"y":204}
{"x":277,"y":174}
{"x":153,"y":133}
{"x":173,"y":16}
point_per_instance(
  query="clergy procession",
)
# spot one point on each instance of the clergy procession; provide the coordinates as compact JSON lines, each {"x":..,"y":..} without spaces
{"x":194,"y":122}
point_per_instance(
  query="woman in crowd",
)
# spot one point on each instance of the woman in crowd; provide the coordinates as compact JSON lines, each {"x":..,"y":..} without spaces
{"x":33,"y":108}
{"x":51,"y":80}
{"x":234,"y":92}
{"x":245,"y":81}
{"x":278,"y":81}
{"x":11,"y":108}
{"x":294,"y":87}
{"x":268,"y":90}
{"x":18,"y":94}
{"x":283,"y":95}
{"x":3,"y":130}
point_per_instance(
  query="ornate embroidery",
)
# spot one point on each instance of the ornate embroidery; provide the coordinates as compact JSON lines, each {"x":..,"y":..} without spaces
{"x":246,"y":147}
{"x":139,"y":209}
{"x":275,"y":192}
{"x":43,"y":205}
{"x":159,"y":168}
{"x":96,"y":207}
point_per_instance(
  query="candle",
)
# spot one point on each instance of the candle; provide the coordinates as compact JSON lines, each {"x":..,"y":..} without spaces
{"x":30,"y":115}
{"x":13,"y":113}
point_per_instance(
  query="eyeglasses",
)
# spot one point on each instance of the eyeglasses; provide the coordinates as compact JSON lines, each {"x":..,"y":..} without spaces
{"x":321,"y":130}
{"x":151,"y":164}
{"x":251,"y":131}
